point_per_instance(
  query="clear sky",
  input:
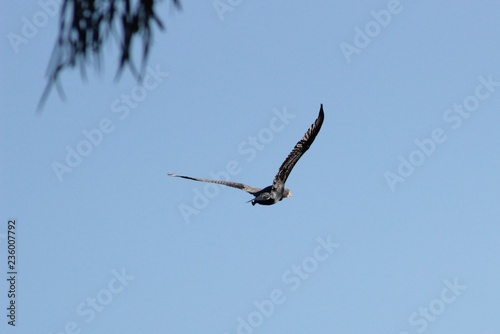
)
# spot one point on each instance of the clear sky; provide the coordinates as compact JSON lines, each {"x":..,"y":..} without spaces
{"x":393,"y":226}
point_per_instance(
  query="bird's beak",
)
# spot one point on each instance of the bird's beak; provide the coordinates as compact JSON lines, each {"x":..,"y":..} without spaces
{"x":289,"y":194}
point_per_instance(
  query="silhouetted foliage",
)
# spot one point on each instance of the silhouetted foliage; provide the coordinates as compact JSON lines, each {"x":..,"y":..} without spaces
{"x":86,"y":25}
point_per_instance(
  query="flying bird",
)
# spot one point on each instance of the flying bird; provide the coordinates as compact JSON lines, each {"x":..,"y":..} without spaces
{"x":277,"y":191}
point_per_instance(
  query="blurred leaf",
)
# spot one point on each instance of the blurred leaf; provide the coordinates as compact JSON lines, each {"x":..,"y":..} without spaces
{"x":86,"y":25}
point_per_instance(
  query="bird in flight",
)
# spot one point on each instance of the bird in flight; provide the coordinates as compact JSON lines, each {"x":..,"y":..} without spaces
{"x":277,"y":191}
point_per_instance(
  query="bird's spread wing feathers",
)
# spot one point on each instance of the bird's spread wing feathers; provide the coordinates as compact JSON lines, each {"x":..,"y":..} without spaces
{"x":279,"y":180}
{"x":237,"y":185}
{"x":300,"y":148}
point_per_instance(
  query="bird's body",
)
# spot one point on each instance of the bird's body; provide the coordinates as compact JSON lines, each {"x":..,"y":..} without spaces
{"x":277,"y":191}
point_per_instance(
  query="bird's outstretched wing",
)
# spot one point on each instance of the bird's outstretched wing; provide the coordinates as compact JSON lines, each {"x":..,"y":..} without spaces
{"x":237,"y":185}
{"x":300,"y":148}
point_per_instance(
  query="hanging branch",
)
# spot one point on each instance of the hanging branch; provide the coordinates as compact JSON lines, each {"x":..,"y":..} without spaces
{"x":85,"y":26}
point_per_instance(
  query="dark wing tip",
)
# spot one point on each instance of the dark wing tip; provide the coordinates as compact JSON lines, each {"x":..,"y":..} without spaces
{"x":318,"y":122}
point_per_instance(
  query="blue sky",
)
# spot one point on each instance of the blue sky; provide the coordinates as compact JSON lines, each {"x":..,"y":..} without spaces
{"x":393,"y":224}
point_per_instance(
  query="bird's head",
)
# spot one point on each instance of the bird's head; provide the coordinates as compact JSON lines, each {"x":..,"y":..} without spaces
{"x":287,"y":193}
